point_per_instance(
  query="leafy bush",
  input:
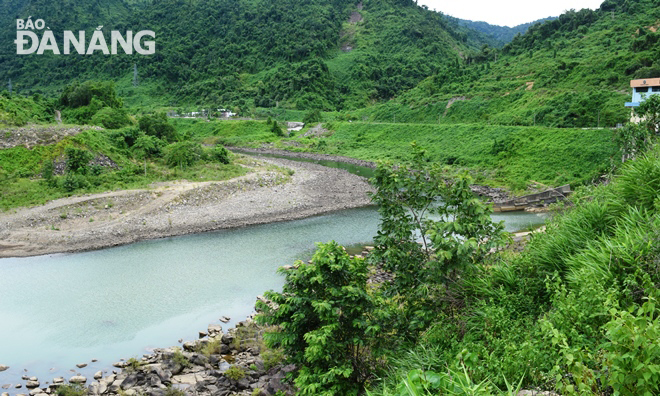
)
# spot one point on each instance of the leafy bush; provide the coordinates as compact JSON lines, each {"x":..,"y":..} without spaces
{"x":72,"y":182}
{"x":111,"y":118}
{"x":181,"y":360}
{"x":158,"y":125}
{"x":71,"y":390}
{"x":324,"y":306}
{"x":77,"y":159}
{"x":632,"y":349}
{"x":312,"y":117}
{"x":235,"y":373}
{"x":276,"y":129}
{"x":221,"y":155}
{"x":183,"y":154}
{"x":427,"y":254}
{"x":272,"y":357}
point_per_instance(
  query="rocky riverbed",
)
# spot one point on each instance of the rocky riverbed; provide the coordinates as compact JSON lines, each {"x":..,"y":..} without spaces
{"x":218,"y":363}
{"x":275,"y":190}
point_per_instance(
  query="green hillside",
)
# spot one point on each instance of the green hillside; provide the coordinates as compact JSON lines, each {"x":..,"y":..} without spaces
{"x":292,"y":53}
{"x":570,"y":72}
{"x":500,"y":35}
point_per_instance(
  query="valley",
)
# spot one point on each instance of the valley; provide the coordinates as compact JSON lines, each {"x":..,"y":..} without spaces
{"x":318,"y":178}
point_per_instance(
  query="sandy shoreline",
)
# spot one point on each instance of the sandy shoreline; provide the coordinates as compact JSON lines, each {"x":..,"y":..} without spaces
{"x":177,"y":208}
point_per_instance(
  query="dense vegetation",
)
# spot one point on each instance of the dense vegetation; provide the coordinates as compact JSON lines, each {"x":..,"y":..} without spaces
{"x":575,"y":312}
{"x":573,"y":71}
{"x":244,"y":53}
{"x":500,"y":35}
{"x":101,"y":160}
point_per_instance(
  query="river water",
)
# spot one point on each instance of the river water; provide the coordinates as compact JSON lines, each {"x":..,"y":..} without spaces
{"x":60,"y":310}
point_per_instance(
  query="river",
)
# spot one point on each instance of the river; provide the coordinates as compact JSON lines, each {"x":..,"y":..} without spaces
{"x":60,"y":310}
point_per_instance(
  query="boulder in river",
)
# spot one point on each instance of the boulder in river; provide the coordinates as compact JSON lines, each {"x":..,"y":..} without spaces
{"x":3,"y":367}
{"x":32,"y":384}
{"x":78,"y":379}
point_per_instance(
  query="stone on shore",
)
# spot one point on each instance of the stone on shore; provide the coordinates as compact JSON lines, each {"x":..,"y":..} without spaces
{"x":98,"y":375}
{"x":58,"y":380}
{"x":214,"y":330}
{"x":78,"y":379}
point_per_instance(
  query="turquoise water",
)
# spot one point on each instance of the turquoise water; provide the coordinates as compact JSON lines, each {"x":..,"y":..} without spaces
{"x":60,"y":310}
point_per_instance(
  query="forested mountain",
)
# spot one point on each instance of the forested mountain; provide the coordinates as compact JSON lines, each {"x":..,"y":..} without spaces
{"x":573,"y":71}
{"x":500,"y":35}
{"x":297,"y":53}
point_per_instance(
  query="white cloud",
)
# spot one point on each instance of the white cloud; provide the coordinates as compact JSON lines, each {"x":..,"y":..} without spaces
{"x":507,"y":12}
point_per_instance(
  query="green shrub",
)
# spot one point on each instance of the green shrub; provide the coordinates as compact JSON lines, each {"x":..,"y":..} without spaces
{"x":174,"y":392}
{"x":181,"y":360}
{"x":221,"y":154}
{"x":111,"y":118}
{"x":312,"y":116}
{"x":272,"y":357}
{"x":82,"y":94}
{"x":159,"y":126}
{"x":235,"y":373}
{"x":77,"y":159}
{"x":276,"y":129}
{"x":324,"y":306}
{"x":183,"y":154}
{"x":632,"y":350}
{"x":71,"y":390}
{"x":72,"y":182}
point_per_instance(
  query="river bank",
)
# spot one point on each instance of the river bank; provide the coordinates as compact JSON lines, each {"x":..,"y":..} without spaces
{"x":235,"y":362}
{"x":266,"y":195}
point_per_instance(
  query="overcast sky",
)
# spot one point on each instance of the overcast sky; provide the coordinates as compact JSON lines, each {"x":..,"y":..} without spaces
{"x":507,"y":12}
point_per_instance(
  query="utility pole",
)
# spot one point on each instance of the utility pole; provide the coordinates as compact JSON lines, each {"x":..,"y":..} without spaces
{"x":135,"y":75}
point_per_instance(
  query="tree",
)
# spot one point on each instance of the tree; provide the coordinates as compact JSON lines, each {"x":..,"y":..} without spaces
{"x":326,"y":319}
{"x":432,"y":228}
